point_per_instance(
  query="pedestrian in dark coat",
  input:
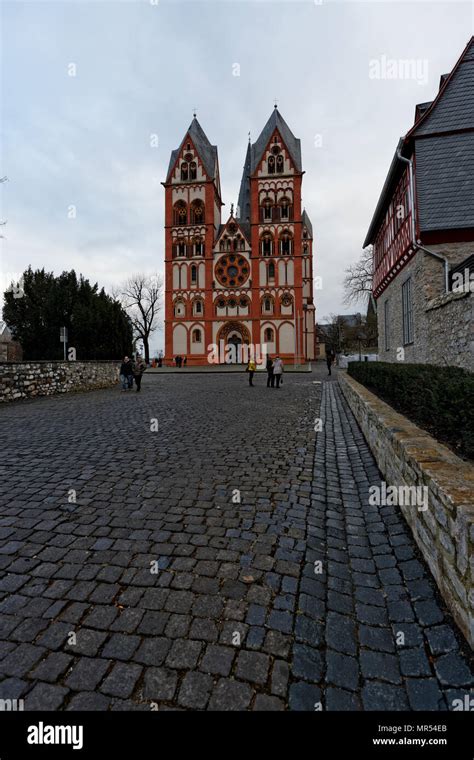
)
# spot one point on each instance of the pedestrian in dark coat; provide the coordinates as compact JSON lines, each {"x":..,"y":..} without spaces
{"x":270,"y":375}
{"x":330,"y":356}
{"x":139,"y":368}
{"x":126,"y":374}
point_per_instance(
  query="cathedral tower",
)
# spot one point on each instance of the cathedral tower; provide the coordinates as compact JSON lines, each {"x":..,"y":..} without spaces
{"x":249,"y":280}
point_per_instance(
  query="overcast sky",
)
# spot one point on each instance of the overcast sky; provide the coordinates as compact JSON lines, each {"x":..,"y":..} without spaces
{"x":141,"y":67}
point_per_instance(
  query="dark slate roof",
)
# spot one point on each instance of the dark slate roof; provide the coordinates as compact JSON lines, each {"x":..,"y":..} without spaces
{"x":207,"y":152}
{"x":444,"y":162}
{"x":293,"y":144}
{"x":453,"y":108}
{"x":307,"y":223}
{"x":243,"y":201}
{"x":445,"y":181}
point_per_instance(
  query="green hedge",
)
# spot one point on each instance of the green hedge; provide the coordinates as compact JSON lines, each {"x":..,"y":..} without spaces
{"x":438,"y":399}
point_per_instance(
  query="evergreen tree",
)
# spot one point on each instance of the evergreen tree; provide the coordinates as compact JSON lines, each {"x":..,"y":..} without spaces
{"x":98,"y":327}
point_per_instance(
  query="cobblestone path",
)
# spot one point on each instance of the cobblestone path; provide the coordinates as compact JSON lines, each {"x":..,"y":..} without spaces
{"x":132,"y":577}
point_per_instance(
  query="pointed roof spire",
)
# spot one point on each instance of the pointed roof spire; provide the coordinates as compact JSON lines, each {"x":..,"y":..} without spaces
{"x":293,"y":144}
{"x":207,"y":152}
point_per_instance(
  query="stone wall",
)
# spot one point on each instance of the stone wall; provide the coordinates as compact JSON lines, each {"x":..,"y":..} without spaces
{"x":444,"y":532}
{"x":443,"y":324}
{"x":21,"y":380}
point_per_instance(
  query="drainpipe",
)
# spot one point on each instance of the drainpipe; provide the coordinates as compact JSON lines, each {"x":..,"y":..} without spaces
{"x":417,"y":244}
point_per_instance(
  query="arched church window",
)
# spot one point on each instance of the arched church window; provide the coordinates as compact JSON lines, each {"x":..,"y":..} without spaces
{"x":179,"y":309}
{"x":196,"y":336}
{"x":192,"y":170}
{"x":184,"y":172}
{"x":197,"y":212}
{"x":242,"y":245}
{"x":271,"y":270}
{"x":267,"y":210}
{"x":284,"y":209}
{"x":198,"y":307}
{"x":286,"y":244}
{"x":193,"y":275}
{"x":267,"y":245}
{"x":198,"y":247}
{"x":180,"y":213}
{"x":271,"y":164}
{"x":268,"y":335}
{"x":280,"y":163}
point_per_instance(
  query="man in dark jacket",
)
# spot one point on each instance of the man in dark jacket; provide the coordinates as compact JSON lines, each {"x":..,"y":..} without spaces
{"x":139,"y":368}
{"x":126,"y":374}
{"x":270,"y":375}
{"x":330,"y":356}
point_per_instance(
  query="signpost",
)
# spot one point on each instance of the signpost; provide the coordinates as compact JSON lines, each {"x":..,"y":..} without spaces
{"x":63,"y":338}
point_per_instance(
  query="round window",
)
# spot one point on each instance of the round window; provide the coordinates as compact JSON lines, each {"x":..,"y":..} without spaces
{"x":231,"y":270}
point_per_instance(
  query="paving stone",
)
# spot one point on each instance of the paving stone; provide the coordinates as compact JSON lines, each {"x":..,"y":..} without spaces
{"x":414,"y":662}
{"x":52,"y":668}
{"x":424,"y":694}
{"x":87,"y":674}
{"x":383,"y":696}
{"x":152,"y":651}
{"x":380,"y":665}
{"x":218,"y":660}
{"x":160,"y":684}
{"x":253,"y":667}
{"x":121,"y":647}
{"x":230,"y":695}
{"x":441,"y":639}
{"x":184,"y":654}
{"x":341,"y":700}
{"x":121,"y":680}
{"x":195,"y":690}
{"x":304,"y":697}
{"x":267,"y":703}
{"x":452,"y":670}
{"x":45,"y":696}
{"x":342,"y":670}
{"x":88,"y":701}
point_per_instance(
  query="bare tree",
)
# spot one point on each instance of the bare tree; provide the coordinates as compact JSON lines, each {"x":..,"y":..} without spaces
{"x":141,"y":296}
{"x":358,"y":279}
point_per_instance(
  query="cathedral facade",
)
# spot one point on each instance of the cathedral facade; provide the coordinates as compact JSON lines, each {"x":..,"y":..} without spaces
{"x":247,"y":281}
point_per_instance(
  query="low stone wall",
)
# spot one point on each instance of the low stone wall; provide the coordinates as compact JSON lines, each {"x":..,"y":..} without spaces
{"x":21,"y":380}
{"x":444,"y":532}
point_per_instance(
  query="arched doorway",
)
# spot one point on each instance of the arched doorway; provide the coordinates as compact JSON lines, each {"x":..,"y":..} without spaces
{"x":235,"y":335}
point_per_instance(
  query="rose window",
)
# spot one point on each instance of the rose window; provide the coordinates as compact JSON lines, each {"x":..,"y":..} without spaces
{"x":232,"y":270}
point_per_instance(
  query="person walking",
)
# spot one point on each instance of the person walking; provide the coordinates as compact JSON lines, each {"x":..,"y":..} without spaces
{"x":270,"y":376}
{"x":139,"y":368}
{"x":126,"y":374}
{"x":278,"y":370}
{"x":330,"y":356}
{"x":251,"y":367}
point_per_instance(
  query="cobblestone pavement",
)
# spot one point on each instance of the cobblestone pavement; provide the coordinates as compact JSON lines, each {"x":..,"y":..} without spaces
{"x":239,"y":614}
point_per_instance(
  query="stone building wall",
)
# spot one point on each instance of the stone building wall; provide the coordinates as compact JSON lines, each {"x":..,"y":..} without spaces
{"x":22,"y":380}
{"x":444,"y":531}
{"x":442,"y":324}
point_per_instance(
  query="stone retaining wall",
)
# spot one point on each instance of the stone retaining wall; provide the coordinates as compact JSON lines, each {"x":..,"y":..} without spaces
{"x":21,"y":380}
{"x":444,"y":532}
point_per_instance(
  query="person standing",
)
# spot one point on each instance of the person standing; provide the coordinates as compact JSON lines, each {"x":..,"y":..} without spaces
{"x":277,"y":370}
{"x":139,"y":368}
{"x":251,"y":367}
{"x":330,"y":356}
{"x":126,"y":374}
{"x":270,"y":376}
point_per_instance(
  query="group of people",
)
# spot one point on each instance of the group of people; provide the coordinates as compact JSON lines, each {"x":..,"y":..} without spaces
{"x":130,"y":371}
{"x":180,"y":362}
{"x":274,"y":369}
